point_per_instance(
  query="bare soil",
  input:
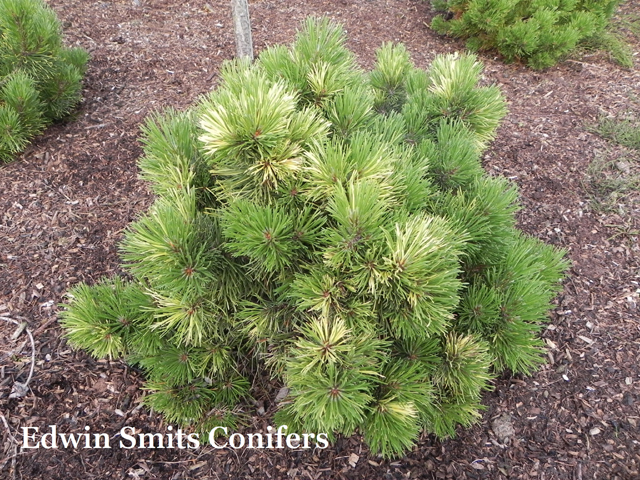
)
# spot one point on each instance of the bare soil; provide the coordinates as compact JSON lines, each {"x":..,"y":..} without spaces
{"x":65,"y":202}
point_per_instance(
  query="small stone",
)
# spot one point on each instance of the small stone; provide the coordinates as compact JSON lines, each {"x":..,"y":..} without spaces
{"x":19,"y":390}
{"x":623,"y":167}
{"x":282,"y":394}
{"x":503,"y":428}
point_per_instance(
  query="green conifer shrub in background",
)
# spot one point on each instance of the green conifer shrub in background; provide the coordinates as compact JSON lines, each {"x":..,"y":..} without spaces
{"x":40,"y":79}
{"x":537,"y":32}
{"x":337,"y":229}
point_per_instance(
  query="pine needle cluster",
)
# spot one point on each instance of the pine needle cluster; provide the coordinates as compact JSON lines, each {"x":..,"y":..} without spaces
{"x":336,"y":228}
{"x":40,"y":79}
{"x":539,"y":33}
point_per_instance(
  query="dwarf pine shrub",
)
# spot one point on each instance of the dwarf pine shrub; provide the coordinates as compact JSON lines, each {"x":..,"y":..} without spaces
{"x":337,"y":229}
{"x":39,"y":77}
{"x":537,"y":32}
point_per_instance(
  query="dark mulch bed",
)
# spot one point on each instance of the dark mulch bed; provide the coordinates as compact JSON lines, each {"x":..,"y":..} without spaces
{"x":65,"y":202}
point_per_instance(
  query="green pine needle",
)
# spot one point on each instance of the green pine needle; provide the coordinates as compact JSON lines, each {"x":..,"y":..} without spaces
{"x":40,"y":80}
{"x":14,"y":137}
{"x":335,"y":230}
{"x":19,"y":93}
{"x":539,"y":33}
{"x":101,"y":318}
{"x":392,"y":428}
